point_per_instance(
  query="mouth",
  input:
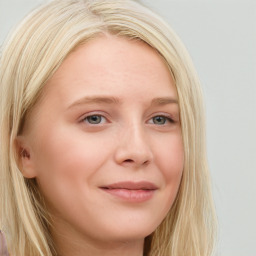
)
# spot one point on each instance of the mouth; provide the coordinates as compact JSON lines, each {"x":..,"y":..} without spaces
{"x":131,"y":191}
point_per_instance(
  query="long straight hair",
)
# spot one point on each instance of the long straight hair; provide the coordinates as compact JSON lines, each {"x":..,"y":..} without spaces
{"x":32,"y":54}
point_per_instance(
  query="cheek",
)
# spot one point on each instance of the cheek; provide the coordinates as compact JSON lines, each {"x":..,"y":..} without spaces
{"x":170,"y":159}
{"x":65,"y":161}
{"x":170,"y":156}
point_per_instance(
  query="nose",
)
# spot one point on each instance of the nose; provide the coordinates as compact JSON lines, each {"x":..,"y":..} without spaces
{"x":133,"y":148}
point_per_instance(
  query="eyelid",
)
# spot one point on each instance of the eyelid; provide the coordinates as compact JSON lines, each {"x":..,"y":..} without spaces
{"x":170,"y":117}
{"x":94,"y":113}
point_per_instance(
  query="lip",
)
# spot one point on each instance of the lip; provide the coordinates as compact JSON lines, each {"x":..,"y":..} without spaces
{"x":136,"y":192}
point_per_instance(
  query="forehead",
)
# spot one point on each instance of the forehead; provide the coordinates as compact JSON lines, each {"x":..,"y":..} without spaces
{"x":108,"y":62}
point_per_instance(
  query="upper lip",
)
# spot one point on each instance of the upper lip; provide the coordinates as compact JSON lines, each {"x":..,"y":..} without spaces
{"x":141,"y":185}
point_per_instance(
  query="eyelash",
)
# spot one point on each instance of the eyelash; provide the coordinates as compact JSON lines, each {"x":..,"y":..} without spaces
{"x":94,"y":115}
{"x":167,"y":118}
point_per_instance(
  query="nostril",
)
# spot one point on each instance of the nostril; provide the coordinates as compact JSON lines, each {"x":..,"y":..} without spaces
{"x":132,"y":161}
{"x":129,"y":160}
{"x":146,"y":162}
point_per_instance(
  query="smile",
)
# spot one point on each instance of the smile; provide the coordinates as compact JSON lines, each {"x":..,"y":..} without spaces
{"x":136,"y":192}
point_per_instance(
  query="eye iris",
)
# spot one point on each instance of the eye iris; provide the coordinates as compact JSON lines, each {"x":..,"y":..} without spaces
{"x":94,"y":119}
{"x":159,"y":120}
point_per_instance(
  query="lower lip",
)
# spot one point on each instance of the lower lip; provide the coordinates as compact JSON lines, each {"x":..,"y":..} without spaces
{"x":136,"y":196}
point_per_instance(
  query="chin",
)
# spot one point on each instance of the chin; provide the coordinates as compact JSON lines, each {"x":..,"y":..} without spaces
{"x":131,"y":231}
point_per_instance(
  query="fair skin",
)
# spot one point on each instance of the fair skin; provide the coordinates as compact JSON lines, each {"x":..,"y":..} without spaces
{"x":105,"y":146}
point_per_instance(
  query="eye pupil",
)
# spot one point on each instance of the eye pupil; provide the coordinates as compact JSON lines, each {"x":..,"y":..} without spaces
{"x":159,"y":120}
{"x":94,"y":119}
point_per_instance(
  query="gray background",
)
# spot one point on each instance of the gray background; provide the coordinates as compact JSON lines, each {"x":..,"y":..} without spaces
{"x":221,"y":38}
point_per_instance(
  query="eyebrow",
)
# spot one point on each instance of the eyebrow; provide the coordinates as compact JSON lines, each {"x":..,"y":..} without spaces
{"x":116,"y":101}
{"x":164,"y":101}
{"x":97,"y":99}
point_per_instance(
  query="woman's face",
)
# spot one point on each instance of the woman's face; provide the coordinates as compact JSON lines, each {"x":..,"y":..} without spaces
{"x":104,"y":142}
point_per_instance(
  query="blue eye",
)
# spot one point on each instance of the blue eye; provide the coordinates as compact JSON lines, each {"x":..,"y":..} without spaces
{"x":94,"y":119}
{"x":161,"y":120}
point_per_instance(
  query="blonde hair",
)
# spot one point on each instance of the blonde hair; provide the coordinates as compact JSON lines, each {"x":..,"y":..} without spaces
{"x":31,"y":56}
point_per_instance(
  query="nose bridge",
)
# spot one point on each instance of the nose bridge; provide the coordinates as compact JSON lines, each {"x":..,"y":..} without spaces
{"x":133,"y":146}
{"x":136,"y":135}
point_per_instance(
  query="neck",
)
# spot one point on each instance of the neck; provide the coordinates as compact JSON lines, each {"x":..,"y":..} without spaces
{"x":67,"y":244}
{"x":101,"y":248}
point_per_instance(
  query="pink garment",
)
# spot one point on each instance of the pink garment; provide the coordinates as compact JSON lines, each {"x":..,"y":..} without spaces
{"x":3,"y":247}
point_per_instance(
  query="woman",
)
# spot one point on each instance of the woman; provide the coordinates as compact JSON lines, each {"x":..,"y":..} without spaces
{"x":102,"y":136}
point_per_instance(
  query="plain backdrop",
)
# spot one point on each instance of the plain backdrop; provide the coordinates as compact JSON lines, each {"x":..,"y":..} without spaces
{"x":221,"y":38}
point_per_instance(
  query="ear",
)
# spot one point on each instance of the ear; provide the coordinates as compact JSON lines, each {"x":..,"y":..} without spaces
{"x":25,"y":161}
